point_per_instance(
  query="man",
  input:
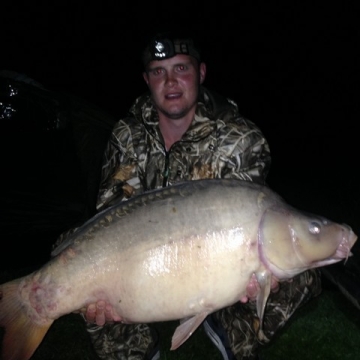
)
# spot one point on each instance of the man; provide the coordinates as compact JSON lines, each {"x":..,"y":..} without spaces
{"x":181,"y":131}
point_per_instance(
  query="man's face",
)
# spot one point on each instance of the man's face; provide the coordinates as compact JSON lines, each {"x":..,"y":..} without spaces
{"x":174,"y":84}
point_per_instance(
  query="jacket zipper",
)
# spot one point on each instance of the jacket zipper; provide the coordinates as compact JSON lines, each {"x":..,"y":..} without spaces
{"x":166,"y":171}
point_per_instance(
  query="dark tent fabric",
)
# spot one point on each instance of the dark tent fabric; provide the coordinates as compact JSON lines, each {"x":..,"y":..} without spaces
{"x":51,"y":153}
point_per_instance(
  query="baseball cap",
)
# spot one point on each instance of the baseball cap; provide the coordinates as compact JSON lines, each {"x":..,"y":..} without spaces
{"x":165,"y":46}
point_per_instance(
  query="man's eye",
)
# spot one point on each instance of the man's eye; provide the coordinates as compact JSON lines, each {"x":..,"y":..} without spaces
{"x":157,"y":71}
{"x":181,"y":67}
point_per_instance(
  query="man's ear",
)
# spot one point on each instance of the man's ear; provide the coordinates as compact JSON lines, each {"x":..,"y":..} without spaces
{"x":202,"y":71}
{"x":146,"y":78}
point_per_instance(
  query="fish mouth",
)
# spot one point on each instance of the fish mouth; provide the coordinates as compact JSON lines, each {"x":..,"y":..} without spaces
{"x":344,"y":249}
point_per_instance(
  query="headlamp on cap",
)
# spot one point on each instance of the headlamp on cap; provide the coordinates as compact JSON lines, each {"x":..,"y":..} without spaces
{"x":164,"y":48}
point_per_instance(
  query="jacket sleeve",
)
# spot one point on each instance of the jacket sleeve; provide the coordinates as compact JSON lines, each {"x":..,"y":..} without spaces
{"x":119,"y":173}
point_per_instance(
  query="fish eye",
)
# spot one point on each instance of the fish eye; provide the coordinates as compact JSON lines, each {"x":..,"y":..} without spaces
{"x":315,"y":227}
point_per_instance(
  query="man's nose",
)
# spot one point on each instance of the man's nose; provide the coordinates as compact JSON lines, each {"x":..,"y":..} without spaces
{"x":171,"y":79}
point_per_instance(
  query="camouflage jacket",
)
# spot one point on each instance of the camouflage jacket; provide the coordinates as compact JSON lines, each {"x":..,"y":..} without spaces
{"x":218,"y":144}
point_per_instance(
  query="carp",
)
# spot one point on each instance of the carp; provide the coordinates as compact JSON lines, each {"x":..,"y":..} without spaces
{"x":176,"y":253}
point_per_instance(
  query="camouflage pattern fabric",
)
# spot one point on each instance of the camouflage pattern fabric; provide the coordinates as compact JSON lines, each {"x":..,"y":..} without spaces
{"x":123,"y":342}
{"x":219,"y":144}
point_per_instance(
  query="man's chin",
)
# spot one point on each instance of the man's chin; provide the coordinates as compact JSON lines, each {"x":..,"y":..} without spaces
{"x":175,"y":115}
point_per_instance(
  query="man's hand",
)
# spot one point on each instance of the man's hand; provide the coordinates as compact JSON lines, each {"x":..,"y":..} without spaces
{"x":99,"y":313}
{"x":253,"y":288}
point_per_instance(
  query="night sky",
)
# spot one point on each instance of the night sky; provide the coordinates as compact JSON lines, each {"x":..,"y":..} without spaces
{"x":292,"y":68}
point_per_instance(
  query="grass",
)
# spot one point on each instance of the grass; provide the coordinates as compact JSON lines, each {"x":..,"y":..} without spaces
{"x":328,"y":327}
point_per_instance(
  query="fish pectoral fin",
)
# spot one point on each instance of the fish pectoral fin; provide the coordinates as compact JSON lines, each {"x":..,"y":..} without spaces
{"x":186,"y":329}
{"x":264,"y":280}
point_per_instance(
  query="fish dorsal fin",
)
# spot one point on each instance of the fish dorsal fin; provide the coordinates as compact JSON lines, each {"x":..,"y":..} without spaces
{"x":264,"y":280}
{"x":186,"y":329}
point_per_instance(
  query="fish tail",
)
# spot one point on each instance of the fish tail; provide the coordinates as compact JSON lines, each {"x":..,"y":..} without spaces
{"x":22,"y":336}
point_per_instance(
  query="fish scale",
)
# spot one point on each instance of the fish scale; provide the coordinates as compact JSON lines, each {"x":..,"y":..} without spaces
{"x":192,"y":248}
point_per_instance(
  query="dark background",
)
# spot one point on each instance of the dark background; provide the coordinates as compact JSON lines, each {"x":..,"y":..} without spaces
{"x":292,"y":67}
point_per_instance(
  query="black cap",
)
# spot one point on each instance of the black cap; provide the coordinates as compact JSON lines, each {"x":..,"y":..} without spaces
{"x":165,"y":46}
